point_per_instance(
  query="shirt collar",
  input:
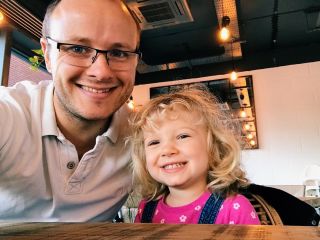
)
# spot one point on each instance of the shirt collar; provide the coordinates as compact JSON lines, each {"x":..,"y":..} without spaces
{"x":119,"y":121}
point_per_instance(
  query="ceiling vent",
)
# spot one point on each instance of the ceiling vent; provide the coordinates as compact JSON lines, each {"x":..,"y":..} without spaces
{"x":159,"y":13}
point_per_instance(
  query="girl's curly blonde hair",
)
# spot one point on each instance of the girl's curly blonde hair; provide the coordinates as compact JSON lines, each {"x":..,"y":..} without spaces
{"x":224,"y":172}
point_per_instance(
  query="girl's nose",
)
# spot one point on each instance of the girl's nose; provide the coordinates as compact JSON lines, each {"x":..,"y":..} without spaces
{"x":169,"y":149}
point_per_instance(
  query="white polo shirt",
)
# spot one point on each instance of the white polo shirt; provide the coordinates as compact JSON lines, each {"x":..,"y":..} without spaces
{"x":41,"y":178}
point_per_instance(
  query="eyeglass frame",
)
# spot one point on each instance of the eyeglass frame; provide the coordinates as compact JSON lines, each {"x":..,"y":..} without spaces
{"x":104,"y":52}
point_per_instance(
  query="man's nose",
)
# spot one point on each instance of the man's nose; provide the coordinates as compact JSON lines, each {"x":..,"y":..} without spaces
{"x":104,"y":54}
{"x":100,"y":67}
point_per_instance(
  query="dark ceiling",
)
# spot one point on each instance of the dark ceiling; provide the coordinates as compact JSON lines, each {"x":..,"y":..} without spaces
{"x":271,"y":33}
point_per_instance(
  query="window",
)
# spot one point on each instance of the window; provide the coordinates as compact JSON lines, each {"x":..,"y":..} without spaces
{"x":20,"y":69}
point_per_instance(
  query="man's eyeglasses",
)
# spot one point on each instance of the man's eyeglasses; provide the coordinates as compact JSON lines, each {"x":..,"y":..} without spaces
{"x":84,"y":56}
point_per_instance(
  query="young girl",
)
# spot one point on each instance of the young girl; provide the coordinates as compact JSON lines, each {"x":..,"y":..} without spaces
{"x":186,"y":162}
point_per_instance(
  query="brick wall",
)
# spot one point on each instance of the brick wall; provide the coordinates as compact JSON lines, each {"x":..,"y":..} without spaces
{"x":21,"y":70}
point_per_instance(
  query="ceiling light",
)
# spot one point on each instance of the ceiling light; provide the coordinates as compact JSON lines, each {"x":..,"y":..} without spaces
{"x":224,"y":31}
{"x":250,"y":136}
{"x":233,"y":75}
{"x":224,"y":34}
{"x":252,"y":142}
{"x":247,"y":126}
{"x":131,"y":103}
{"x":243,"y":113}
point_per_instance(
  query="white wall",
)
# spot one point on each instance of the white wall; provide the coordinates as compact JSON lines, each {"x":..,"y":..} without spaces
{"x":287,"y":101}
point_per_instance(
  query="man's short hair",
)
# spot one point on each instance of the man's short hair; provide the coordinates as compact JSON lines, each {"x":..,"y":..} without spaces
{"x":46,"y":20}
{"x":55,"y":3}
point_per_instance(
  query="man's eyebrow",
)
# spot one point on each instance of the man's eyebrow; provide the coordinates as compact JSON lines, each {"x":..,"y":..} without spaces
{"x":121,"y":45}
{"x":88,"y":42}
{"x":78,"y":40}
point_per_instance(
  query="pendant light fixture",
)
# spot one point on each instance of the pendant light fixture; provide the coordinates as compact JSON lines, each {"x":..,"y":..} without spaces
{"x":243,"y":113}
{"x":131,"y":103}
{"x":233,"y":75}
{"x":247,"y":126}
{"x":252,"y":143}
{"x":224,"y":33}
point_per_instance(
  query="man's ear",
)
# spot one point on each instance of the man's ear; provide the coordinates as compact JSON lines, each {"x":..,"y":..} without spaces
{"x":45,"y":50}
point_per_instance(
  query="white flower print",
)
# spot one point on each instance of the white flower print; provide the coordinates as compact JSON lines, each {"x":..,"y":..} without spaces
{"x":157,"y":211}
{"x":231,"y":222}
{"x":236,"y":206}
{"x":221,"y":208}
{"x":197,"y":208}
{"x":253,"y":214}
{"x":183,"y":218}
{"x":162,"y":220}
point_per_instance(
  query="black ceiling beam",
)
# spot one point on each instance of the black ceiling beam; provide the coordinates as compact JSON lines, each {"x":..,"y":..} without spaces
{"x":259,"y":60}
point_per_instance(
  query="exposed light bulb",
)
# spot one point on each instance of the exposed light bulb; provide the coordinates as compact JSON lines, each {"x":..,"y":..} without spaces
{"x":131,"y":103}
{"x":224,"y":34}
{"x":252,"y":142}
{"x":243,"y":114}
{"x":233,"y":76}
{"x":247,"y":126}
{"x":250,"y":136}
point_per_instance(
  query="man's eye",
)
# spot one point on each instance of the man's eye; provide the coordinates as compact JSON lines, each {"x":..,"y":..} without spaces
{"x":153,"y":142}
{"x":75,"y":49}
{"x":116,"y":53}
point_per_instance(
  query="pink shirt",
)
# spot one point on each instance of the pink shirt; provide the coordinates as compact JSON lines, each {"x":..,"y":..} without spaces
{"x":234,"y":210}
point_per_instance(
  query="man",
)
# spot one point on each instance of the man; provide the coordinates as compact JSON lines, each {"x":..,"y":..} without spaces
{"x":63,"y":155}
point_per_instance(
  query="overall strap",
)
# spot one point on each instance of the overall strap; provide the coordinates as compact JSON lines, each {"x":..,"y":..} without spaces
{"x":211,"y":209}
{"x":148,"y":211}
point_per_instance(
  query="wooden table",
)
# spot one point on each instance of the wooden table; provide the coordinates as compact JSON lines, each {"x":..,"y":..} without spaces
{"x":95,"y":231}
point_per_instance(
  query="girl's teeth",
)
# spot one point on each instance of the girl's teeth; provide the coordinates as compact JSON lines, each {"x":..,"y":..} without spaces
{"x":172,"y":166}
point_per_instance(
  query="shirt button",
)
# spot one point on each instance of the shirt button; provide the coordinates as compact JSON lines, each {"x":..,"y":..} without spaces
{"x":71,"y":165}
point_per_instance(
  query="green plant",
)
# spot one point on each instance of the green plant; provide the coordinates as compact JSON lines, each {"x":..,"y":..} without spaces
{"x":36,"y":60}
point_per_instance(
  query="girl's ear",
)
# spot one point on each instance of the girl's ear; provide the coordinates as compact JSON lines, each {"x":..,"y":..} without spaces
{"x":45,"y":50}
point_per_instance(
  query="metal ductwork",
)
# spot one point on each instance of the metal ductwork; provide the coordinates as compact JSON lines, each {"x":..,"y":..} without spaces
{"x":159,"y":13}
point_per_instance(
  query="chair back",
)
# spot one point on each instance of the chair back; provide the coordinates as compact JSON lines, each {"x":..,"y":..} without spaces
{"x":278,"y":207}
{"x":266,"y":213}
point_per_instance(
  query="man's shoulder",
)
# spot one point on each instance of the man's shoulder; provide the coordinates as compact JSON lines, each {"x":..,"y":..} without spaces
{"x":25,"y":100}
{"x":30,"y":85}
{"x":23,"y":88}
